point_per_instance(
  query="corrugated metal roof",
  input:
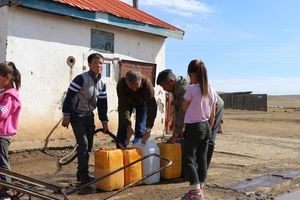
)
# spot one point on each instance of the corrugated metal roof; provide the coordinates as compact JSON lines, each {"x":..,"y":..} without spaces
{"x":119,"y":9}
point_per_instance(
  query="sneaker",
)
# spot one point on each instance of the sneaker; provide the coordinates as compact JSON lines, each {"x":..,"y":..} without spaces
{"x":185,"y":196}
{"x":6,"y":194}
{"x":193,"y":195}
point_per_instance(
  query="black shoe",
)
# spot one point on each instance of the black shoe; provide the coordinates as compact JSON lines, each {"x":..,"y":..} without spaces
{"x":85,"y":179}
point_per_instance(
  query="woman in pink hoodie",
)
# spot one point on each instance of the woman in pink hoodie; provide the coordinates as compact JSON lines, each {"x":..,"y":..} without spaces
{"x":10,"y":106}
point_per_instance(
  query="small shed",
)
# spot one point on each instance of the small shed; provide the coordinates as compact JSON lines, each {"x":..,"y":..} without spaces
{"x":245,"y":101}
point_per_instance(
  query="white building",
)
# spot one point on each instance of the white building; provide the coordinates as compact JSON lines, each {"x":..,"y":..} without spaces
{"x":50,"y":40}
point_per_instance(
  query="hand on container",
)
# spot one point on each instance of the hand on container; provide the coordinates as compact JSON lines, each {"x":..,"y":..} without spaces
{"x":105,"y":127}
{"x":130,"y":132}
{"x":172,"y":139}
{"x":65,"y":122}
{"x":146,"y":136}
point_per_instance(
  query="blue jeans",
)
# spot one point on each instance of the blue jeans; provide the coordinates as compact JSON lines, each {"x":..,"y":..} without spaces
{"x":140,"y":124}
{"x":83,"y":128}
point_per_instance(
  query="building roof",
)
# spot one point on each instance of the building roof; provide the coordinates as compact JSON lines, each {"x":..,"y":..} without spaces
{"x":119,"y":9}
{"x":110,"y":12}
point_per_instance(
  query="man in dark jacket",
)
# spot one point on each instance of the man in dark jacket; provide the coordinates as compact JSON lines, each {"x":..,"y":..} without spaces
{"x":135,"y":92}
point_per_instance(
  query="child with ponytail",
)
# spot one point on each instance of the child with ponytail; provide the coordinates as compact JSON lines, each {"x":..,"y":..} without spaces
{"x":10,"y":106}
{"x":200,"y":106}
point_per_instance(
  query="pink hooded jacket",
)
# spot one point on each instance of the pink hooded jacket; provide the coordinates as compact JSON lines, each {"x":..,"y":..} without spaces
{"x":10,"y":108}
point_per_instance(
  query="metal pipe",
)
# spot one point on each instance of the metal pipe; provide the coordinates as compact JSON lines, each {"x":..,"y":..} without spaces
{"x":169,"y":163}
{"x":31,"y":181}
{"x":26,"y":191}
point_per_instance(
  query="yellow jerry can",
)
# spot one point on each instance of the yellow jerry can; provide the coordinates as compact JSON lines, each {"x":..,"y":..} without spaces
{"x":172,"y":152}
{"x":134,"y":172}
{"x":106,"y":161}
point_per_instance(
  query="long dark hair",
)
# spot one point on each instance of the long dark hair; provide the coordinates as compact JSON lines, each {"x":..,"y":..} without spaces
{"x":198,"y":67}
{"x":10,"y":68}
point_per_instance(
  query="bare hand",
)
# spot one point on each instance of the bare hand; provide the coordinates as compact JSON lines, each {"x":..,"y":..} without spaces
{"x":105,"y":127}
{"x":130,"y":132}
{"x":146,"y":136}
{"x":172,"y":139}
{"x":65,"y":122}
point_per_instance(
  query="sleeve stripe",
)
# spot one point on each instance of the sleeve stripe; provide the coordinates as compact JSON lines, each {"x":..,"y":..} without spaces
{"x":73,"y":89}
{"x":102,"y":97}
{"x":3,"y":109}
{"x":75,"y":85}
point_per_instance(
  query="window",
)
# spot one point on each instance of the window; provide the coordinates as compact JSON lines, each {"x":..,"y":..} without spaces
{"x":102,"y":41}
{"x":106,"y":70}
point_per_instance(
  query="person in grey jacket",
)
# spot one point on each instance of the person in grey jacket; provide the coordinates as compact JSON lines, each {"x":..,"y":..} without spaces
{"x":86,"y":93}
{"x":177,"y":86}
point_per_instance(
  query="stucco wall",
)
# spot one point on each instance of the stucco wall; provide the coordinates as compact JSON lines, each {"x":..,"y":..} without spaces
{"x":3,"y":32}
{"x":39,"y":43}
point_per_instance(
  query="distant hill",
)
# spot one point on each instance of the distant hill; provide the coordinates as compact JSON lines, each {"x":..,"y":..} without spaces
{"x":284,"y":100}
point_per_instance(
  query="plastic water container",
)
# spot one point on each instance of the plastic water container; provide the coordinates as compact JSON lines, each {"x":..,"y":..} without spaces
{"x":106,"y":161}
{"x":172,"y":152}
{"x":134,"y":172}
{"x":152,"y":163}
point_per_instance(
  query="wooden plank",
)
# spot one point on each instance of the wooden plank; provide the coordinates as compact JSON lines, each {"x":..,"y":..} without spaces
{"x":245,"y":101}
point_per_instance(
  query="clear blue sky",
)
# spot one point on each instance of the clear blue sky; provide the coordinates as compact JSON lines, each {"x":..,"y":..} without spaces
{"x":247,"y":45}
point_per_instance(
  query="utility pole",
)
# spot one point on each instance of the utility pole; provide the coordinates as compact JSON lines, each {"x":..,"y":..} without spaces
{"x":135,"y":3}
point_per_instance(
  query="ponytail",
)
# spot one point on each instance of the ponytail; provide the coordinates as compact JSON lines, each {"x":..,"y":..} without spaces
{"x":198,"y":67}
{"x":10,"y":68}
{"x":16,"y":75}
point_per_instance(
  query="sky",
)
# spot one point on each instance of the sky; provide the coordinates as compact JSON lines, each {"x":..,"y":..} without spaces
{"x":246,"y":45}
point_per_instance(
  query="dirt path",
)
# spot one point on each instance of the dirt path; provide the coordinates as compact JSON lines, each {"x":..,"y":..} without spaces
{"x":254,"y":144}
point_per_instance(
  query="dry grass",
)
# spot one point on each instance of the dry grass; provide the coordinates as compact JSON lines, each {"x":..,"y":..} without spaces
{"x":284,"y":101}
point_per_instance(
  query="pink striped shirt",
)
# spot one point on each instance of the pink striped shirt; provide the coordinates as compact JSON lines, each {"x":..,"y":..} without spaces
{"x":10,"y":108}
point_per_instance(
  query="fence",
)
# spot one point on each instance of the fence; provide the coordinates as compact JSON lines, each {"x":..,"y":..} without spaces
{"x":245,"y":101}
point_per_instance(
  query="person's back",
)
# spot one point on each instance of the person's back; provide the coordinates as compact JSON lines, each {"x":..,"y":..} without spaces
{"x":200,"y":107}
{"x":199,"y":104}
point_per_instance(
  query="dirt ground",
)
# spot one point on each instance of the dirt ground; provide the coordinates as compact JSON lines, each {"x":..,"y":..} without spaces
{"x":253,"y":144}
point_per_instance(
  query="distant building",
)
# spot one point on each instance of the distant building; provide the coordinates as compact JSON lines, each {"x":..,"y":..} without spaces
{"x":50,"y":40}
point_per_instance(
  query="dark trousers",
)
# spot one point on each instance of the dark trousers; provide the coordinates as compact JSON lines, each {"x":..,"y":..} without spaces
{"x":195,"y":151}
{"x":214,"y":131}
{"x":4,"y":163}
{"x":83,"y":128}
{"x":140,"y":124}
